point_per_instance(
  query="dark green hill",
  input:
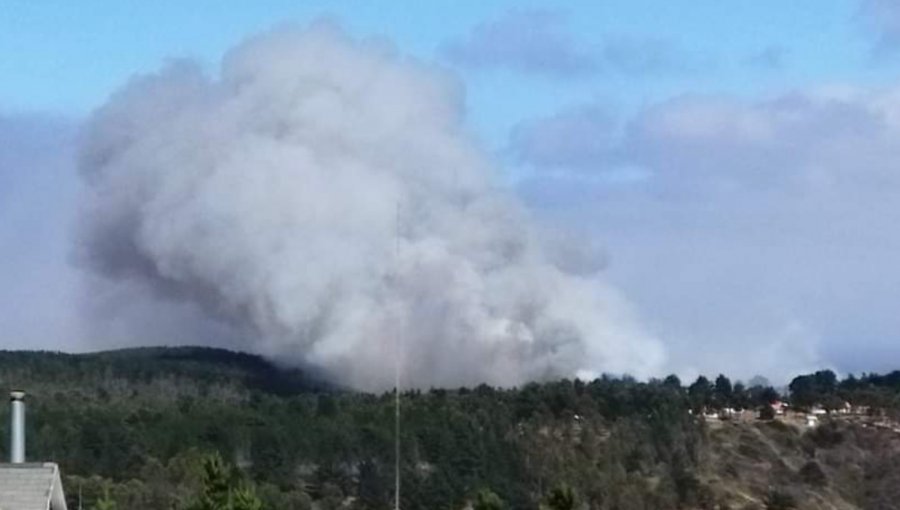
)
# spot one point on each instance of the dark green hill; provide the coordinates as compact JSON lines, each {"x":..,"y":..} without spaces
{"x":135,"y":373}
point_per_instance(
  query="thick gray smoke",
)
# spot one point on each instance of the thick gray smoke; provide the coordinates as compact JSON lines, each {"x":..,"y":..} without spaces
{"x":321,"y":199}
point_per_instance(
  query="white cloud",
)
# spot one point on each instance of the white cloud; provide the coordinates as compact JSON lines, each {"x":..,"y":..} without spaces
{"x":757,"y":220}
{"x":579,"y":138}
{"x":530,"y":41}
{"x":537,"y":42}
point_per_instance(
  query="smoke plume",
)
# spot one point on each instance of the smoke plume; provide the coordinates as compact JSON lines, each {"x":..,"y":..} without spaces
{"x":320,"y":199}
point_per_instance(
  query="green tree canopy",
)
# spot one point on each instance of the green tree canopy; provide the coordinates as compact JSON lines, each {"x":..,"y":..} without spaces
{"x":223,"y":488}
{"x":105,"y":502}
{"x":561,"y":498}
{"x":487,"y":499}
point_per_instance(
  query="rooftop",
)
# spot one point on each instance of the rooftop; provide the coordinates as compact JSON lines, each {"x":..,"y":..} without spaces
{"x":31,"y":486}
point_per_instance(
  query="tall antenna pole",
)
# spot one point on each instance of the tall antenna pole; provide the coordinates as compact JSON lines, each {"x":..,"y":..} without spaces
{"x":397,"y":369}
{"x":397,"y":435}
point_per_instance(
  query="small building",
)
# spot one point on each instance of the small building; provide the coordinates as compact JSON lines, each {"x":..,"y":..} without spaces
{"x":27,"y":485}
{"x":812,"y":420}
{"x":779,"y":407}
{"x":860,"y":410}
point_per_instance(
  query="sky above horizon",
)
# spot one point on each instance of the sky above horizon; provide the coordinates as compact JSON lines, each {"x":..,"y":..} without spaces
{"x":738,"y":162}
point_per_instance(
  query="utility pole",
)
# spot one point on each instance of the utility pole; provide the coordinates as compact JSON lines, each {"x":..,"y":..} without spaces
{"x":397,"y":329}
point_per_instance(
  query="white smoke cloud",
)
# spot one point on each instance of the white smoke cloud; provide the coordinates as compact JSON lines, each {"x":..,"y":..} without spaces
{"x":271,"y":197}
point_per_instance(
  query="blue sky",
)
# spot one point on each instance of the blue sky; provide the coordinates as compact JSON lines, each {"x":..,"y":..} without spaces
{"x":734,"y":158}
{"x":92,"y":47}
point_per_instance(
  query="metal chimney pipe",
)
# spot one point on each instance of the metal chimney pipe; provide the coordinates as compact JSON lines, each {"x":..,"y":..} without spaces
{"x":17,"y":427}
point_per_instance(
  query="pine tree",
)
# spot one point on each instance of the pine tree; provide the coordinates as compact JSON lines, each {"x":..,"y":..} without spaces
{"x":105,"y":502}
{"x":223,"y":489}
{"x":560,"y":498}
{"x":486,"y":499}
{"x":245,"y":498}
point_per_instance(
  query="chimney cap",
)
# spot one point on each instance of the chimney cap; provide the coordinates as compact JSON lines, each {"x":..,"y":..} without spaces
{"x":17,"y":395}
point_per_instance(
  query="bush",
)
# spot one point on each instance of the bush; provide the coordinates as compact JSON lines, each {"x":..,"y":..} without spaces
{"x":779,"y":500}
{"x":812,"y":474}
{"x":827,"y":435}
{"x":560,"y":498}
{"x":486,"y":499}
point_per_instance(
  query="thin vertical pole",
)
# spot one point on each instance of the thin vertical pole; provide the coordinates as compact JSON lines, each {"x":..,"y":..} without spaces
{"x":397,"y":368}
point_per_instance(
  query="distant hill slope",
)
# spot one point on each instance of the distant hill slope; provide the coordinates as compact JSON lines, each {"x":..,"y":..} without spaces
{"x":129,"y":373}
{"x":137,"y":422}
{"x":838,"y":465}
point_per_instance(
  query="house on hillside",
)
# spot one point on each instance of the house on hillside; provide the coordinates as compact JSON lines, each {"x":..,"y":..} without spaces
{"x":861,"y":410}
{"x":24,"y":485}
{"x":779,"y":407}
{"x":710,"y":415}
{"x":728,"y":413}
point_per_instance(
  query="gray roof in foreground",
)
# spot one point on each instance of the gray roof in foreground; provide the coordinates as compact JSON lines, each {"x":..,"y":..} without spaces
{"x":31,"y":486}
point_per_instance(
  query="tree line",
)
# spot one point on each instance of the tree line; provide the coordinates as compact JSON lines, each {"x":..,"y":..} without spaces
{"x":183,"y":428}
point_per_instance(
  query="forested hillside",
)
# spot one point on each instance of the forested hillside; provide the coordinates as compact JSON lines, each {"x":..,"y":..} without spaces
{"x":137,"y":424}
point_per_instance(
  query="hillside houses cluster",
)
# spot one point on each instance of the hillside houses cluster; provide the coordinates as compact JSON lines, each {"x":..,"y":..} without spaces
{"x":781,"y":410}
